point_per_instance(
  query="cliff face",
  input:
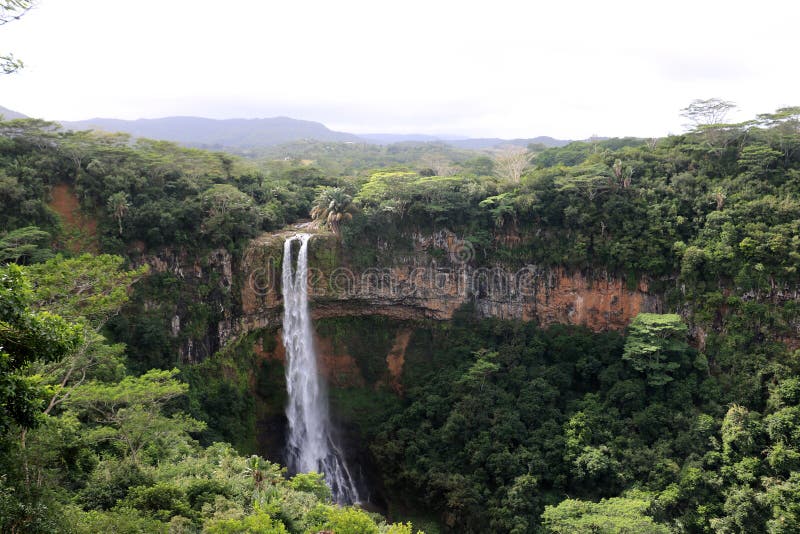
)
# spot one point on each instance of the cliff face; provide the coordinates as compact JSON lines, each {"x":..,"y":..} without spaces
{"x":432,"y":281}
{"x":201,"y":307}
{"x":435,"y":280}
{"x":343,"y":369}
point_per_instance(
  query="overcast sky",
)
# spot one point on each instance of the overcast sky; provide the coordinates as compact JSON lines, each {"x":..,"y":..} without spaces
{"x":568,"y":69}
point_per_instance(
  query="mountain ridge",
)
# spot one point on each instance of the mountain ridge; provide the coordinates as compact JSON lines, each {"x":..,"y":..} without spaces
{"x":10,"y":114}
{"x":199,"y":131}
{"x":247,"y":133}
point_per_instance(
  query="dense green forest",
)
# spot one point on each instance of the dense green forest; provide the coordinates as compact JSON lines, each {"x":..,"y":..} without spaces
{"x":686,"y":422}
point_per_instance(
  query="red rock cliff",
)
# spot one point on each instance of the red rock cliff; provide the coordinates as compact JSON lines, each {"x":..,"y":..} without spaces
{"x":420,"y":287}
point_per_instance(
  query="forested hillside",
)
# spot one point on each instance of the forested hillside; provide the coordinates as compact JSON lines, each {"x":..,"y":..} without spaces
{"x":117,"y":414}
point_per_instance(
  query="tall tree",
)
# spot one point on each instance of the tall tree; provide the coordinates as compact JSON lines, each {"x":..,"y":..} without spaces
{"x":653,"y":343}
{"x":26,"y":336}
{"x":129,"y":412}
{"x":704,"y":113}
{"x":118,"y":205}
{"x":89,"y":290}
{"x":24,"y":244}
{"x":510,"y":163}
{"x":783,"y":129}
{"x":229,"y":214}
{"x":332,"y":206}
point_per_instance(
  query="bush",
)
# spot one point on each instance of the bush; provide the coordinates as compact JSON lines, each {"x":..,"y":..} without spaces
{"x":162,"y":500}
{"x":109,"y":483}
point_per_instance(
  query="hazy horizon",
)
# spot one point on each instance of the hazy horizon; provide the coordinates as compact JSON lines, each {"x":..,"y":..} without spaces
{"x":443,"y":69}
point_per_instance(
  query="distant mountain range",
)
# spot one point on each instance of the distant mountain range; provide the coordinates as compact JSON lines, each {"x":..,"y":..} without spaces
{"x":478,"y":143}
{"x":491,"y":142}
{"x":11,"y":115}
{"x":235,"y":134}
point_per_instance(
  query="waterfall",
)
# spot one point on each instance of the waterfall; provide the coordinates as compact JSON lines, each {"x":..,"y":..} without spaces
{"x":310,"y":444}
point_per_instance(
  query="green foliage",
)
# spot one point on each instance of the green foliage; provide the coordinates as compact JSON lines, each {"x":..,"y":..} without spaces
{"x":501,"y":420}
{"x":121,"y":520}
{"x":141,"y":471}
{"x":153,"y":192}
{"x":479,"y":166}
{"x":741,"y":431}
{"x":28,"y":167}
{"x":110,"y":483}
{"x":88,"y":289}
{"x":228,"y":215}
{"x":259,"y":522}
{"x":696,"y":202}
{"x":162,"y":500}
{"x":498,"y":421}
{"x":25,"y":337}
{"x":332,"y":206}
{"x":620,"y":515}
{"x":24,"y":245}
{"x":654,"y":345}
{"x":425,"y":200}
{"x":349,"y":159}
{"x":349,"y":521}
{"x":483,"y":367}
{"x":784,"y":499}
{"x":20,"y":515}
{"x":129,"y":412}
{"x":482,"y":433}
{"x":118,"y":205}
{"x":92,"y":287}
{"x":313,"y":483}
{"x":220,"y":392}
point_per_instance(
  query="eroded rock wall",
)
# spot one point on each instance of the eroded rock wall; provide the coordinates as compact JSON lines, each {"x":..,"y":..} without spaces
{"x":432,"y":282}
{"x":437,"y":277}
{"x":436,"y":280}
{"x":205,"y":282}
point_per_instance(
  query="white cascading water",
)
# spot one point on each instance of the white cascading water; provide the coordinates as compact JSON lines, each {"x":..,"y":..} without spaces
{"x":310,"y":444}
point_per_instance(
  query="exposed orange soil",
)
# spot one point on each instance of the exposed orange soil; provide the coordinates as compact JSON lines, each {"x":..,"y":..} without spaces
{"x":396,"y":358}
{"x":80,"y":231}
{"x":339,"y":368}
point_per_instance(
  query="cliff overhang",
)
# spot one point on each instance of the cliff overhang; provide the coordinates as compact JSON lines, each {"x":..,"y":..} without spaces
{"x":434,"y":281}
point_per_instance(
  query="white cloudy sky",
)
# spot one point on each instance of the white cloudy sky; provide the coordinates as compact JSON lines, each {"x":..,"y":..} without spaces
{"x":568,"y":69}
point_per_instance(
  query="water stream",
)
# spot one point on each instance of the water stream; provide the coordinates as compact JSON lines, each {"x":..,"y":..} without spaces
{"x":310,"y":446}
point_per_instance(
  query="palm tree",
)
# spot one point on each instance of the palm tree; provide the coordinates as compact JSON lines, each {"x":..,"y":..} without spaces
{"x":118,"y":205}
{"x":332,"y":206}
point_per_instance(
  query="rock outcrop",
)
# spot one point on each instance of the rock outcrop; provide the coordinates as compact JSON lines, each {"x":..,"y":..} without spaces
{"x":213,"y":277}
{"x":435,"y":281}
{"x":424,"y":285}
